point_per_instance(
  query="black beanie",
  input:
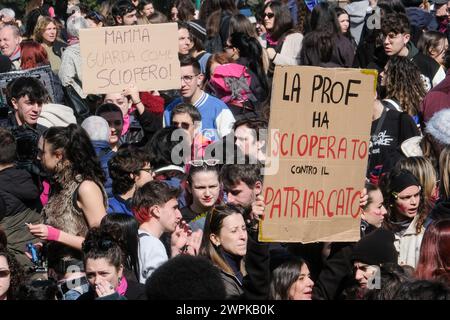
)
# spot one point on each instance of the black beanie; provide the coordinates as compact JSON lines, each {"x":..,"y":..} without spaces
{"x":402,"y":181}
{"x":376,"y":248}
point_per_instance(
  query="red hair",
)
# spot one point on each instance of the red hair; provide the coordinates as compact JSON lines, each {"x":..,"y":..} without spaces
{"x":142,"y":214}
{"x":32,"y":55}
{"x":434,"y":259}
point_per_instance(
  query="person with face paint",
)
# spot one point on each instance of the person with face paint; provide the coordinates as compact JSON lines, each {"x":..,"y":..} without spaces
{"x":404,"y":201}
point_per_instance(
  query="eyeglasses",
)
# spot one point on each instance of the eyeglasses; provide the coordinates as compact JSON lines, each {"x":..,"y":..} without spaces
{"x":391,"y":35}
{"x":183,"y":125}
{"x":4,"y":273}
{"x":148,"y":170}
{"x":188,"y":79}
{"x":269,"y":15}
{"x":102,"y":245}
{"x":201,"y":162}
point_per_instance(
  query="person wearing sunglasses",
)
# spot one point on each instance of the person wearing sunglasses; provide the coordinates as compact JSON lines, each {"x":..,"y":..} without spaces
{"x":284,"y":42}
{"x":11,"y":275}
{"x":217,"y":119}
{"x":187,"y":117}
{"x":124,"y":13}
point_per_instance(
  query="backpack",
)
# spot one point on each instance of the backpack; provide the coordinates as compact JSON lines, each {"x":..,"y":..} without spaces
{"x":231,"y":83}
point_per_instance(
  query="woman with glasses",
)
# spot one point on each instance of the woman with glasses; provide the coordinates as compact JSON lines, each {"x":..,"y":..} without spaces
{"x":228,"y":242}
{"x":11,"y":275}
{"x":284,"y":42}
{"x":203,"y":190}
{"x":104,"y":263}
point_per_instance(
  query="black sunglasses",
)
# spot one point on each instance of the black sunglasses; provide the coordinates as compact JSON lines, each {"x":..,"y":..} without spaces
{"x":269,"y":15}
{"x":183,"y":125}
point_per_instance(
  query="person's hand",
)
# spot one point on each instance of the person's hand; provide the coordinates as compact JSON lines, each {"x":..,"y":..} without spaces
{"x":179,"y":238}
{"x":193,"y":242}
{"x":43,"y":231}
{"x":38,"y":230}
{"x":257,"y":213}
{"x":271,"y":53}
{"x":103,"y":288}
{"x":133,"y":92}
{"x":258,"y":207}
{"x":363,"y":198}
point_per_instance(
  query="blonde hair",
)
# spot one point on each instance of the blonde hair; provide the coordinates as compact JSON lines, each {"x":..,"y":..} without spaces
{"x":444,"y":168}
{"x":41,"y":24}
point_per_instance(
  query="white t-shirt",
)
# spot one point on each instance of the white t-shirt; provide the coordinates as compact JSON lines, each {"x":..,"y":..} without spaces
{"x":152,"y":254}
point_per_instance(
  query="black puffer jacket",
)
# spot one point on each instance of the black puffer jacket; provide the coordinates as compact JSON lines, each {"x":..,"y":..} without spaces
{"x":17,"y":191}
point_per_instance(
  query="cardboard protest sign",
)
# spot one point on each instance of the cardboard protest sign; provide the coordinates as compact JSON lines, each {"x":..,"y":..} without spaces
{"x":115,"y":57}
{"x":319,"y":128}
{"x":43,"y":74}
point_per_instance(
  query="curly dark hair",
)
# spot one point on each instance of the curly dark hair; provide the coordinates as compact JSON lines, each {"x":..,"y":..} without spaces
{"x":78,"y":149}
{"x":404,"y":83}
{"x":17,"y":273}
{"x":122,"y":164}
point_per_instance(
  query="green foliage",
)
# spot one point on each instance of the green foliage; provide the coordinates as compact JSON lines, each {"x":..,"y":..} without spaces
{"x":17,"y":5}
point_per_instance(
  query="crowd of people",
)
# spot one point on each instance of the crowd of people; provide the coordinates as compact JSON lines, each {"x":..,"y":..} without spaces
{"x":159,"y":195}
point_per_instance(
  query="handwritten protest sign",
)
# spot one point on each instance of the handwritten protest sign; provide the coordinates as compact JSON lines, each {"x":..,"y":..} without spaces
{"x":43,"y":74}
{"x":115,"y":57}
{"x":319,"y":125}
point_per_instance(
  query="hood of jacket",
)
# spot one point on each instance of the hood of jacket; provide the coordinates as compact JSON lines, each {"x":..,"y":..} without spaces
{"x":357,"y":11}
{"x":412,"y":50}
{"x":419,"y":17}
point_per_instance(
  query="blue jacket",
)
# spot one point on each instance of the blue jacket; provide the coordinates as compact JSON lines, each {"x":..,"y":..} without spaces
{"x":118,"y":205}
{"x":104,"y":154}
